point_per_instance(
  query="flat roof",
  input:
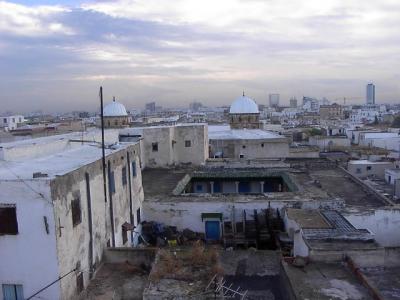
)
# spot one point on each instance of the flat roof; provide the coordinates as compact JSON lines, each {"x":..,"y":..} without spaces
{"x":307,"y":218}
{"x":56,"y":164}
{"x":319,"y":183}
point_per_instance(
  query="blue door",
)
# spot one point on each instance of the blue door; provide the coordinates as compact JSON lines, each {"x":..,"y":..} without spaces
{"x":212,"y":230}
{"x":244,"y":187}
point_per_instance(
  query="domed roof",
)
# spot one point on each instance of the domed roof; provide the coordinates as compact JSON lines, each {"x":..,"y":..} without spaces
{"x":244,"y":105}
{"x":114,"y":109}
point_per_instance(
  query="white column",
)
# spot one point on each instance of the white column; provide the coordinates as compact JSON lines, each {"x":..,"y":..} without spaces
{"x":237,"y":187}
{"x":212,"y":187}
{"x":262,"y":186}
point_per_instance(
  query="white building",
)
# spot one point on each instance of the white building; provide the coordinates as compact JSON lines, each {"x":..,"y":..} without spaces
{"x":385,"y":140}
{"x":11,"y":122}
{"x":392,"y":175}
{"x":363,"y":168}
{"x":57,"y":216}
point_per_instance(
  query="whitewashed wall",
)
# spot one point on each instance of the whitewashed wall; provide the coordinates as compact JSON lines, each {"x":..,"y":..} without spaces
{"x":30,"y":257}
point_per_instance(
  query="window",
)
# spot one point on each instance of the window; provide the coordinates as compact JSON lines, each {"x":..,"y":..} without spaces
{"x":8,"y":219}
{"x":124,"y":181}
{"x":244,"y":146}
{"x":154,"y":147}
{"x":358,"y":171}
{"x":369,"y":168}
{"x":188,"y":144}
{"x":138,"y":216}
{"x":134,"y":169}
{"x":5,"y":120}
{"x":262,"y":145}
{"x":13,"y":120}
{"x":111,"y":182}
{"x":124,"y":234}
{"x":241,"y":155}
{"x":13,"y":292}
{"x":76,"y":211}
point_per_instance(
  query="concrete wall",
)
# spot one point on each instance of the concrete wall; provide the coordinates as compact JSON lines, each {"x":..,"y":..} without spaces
{"x":172,"y":147}
{"x":135,"y":256}
{"x":73,"y":244}
{"x":197,"y":153}
{"x":327,"y":143}
{"x":251,"y":149}
{"x":30,"y":257}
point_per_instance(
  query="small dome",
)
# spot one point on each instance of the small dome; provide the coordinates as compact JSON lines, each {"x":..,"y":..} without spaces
{"x":244,"y":105}
{"x":115,"y":109}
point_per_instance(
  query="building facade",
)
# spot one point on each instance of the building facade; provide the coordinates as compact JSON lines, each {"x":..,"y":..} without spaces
{"x":11,"y":122}
{"x":57,"y":218}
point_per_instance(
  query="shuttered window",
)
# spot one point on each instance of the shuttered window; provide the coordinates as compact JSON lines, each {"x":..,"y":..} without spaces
{"x":8,"y":219}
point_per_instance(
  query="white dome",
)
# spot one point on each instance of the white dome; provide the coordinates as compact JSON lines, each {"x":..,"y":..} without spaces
{"x":244,"y":105}
{"x":114,"y":109}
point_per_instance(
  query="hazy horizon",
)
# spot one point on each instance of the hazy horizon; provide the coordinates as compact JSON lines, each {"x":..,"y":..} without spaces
{"x":55,"y":54}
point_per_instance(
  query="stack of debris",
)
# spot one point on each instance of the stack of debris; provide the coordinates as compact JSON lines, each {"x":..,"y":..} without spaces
{"x":157,"y":234}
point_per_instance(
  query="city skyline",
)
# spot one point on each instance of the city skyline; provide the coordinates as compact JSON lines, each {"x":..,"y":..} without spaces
{"x":55,"y":54}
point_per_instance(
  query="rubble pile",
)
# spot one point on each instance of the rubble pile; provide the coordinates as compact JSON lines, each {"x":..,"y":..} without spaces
{"x":160,"y":235}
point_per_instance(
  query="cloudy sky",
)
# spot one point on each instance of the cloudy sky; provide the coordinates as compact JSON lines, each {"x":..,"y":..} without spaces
{"x":54,"y":55}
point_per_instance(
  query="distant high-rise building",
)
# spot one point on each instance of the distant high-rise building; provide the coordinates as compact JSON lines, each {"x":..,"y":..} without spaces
{"x":195,"y":106}
{"x":370,"y":93}
{"x":293,"y":102}
{"x":273,"y":100}
{"x":151,"y":107}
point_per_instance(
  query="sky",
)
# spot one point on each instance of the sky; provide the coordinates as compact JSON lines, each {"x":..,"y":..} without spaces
{"x":54,"y":55}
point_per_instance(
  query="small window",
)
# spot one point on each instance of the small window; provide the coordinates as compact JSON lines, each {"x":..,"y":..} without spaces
{"x":111,"y":182}
{"x":369,"y":168}
{"x":262,"y":145}
{"x":76,"y":211}
{"x":124,"y":181}
{"x":13,"y":120}
{"x":13,"y":292}
{"x":124,"y":235}
{"x":138,"y":216}
{"x":79,"y":283}
{"x":8,"y":219}
{"x":358,"y":171}
{"x":244,"y":146}
{"x":5,"y":120}
{"x":188,"y":144}
{"x":134,"y":169}
{"x":154,"y":147}
{"x":241,"y":155}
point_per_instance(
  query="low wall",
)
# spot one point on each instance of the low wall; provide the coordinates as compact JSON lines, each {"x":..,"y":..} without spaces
{"x":135,"y":256}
